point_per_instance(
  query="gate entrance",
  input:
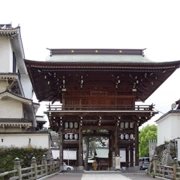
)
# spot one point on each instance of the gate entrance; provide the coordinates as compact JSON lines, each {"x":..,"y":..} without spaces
{"x":98,"y":90}
{"x":96,"y":149}
{"x":121,"y":130}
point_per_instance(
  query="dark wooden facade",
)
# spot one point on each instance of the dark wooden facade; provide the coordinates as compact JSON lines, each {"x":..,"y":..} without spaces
{"x":98,"y":90}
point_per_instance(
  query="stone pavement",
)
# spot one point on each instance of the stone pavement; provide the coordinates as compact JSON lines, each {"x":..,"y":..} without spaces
{"x":101,"y":176}
{"x":138,"y":176}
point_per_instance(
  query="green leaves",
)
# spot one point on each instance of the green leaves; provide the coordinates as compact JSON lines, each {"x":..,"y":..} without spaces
{"x":25,"y":155}
{"x":147,"y":133}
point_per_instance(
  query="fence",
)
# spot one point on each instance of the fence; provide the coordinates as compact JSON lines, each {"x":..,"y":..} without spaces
{"x":167,"y":172}
{"x":99,"y":107}
{"x":33,"y":172}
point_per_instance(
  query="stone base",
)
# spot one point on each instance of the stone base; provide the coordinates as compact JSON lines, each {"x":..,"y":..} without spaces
{"x":80,"y":168}
{"x":111,"y":169}
{"x":117,"y":163}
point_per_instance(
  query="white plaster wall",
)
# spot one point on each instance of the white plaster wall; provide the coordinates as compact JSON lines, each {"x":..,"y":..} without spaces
{"x":168,"y":128}
{"x":175,"y":125}
{"x":25,"y":140}
{"x":27,"y":86}
{"x":6,"y":55}
{"x":164,"y":130}
{"x":10,"y":108}
{"x":3,"y":85}
{"x":67,"y":154}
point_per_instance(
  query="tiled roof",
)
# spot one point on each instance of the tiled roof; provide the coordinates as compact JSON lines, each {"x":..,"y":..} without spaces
{"x":98,"y":58}
{"x":8,"y":30}
{"x":177,"y":111}
{"x":97,"y":55}
{"x":8,"y":93}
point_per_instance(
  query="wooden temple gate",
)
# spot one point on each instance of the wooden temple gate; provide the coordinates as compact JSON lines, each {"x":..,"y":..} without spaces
{"x":121,"y":128}
{"x":98,"y":90}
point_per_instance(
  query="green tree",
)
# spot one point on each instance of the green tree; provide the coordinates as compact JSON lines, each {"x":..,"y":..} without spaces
{"x":147,"y":133}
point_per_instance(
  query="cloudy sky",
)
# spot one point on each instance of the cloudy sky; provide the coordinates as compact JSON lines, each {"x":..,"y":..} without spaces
{"x":151,"y":24}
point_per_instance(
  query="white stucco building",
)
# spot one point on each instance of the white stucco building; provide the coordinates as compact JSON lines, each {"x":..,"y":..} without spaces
{"x":17,"y":110}
{"x":25,"y":139}
{"x":168,"y":126}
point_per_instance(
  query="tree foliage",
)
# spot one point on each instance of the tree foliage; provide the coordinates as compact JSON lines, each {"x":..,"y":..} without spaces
{"x":147,"y":133}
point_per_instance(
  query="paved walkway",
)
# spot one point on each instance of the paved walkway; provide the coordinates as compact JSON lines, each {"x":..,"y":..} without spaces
{"x":101,"y":176}
{"x":139,"y":176}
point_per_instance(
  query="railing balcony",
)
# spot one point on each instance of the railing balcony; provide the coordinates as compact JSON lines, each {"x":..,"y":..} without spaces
{"x":100,"y":107}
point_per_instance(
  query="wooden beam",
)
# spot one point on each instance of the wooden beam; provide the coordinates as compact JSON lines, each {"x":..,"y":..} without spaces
{"x":98,"y":127}
{"x":95,"y":134}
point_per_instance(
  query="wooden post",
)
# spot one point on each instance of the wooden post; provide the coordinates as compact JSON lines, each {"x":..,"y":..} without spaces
{"x":80,"y":152}
{"x":116,"y":142}
{"x":155,"y":164}
{"x":61,"y":149}
{"x":44,"y":162}
{"x":127,"y":157}
{"x":175,"y":169}
{"x":53,"y":165}
{"x":34,"y":165}
{"x":110,"y":150}
{"x":131,"y":156}
{"x":57,"y":163}
{"x":136,"y":145}
{"x":17,"y":166}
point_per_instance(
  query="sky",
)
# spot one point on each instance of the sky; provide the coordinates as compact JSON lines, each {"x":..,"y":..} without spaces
{"x":150,"y":24}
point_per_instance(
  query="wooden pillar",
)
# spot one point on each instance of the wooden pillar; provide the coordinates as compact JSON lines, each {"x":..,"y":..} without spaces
{"x":77,"y":158}
{"x":116,"y":148}
{"x":131,"y":156}
{"x":127,"y":157}
{"x":63,"y":101}
{"x":136,"y":145}
{"x":110,"y":150}
{"x":116,"y":141}
{"x":61,"y":148}
{"x":80,"y":151}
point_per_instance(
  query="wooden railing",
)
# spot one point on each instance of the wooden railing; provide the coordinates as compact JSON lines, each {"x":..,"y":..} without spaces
{"x":33,"y":172}
{"x":99,"y":107}
{"x":167,"y":172}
